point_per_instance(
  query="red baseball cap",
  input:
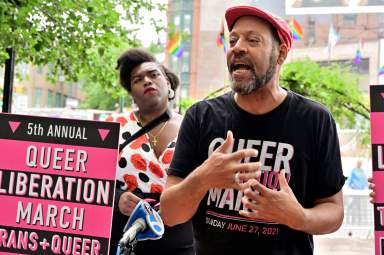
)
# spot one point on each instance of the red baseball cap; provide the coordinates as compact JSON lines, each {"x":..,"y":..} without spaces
{"x":232,"y":14}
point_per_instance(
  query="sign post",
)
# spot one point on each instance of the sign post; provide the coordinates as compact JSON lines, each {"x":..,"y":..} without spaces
{"x":57,"y":180}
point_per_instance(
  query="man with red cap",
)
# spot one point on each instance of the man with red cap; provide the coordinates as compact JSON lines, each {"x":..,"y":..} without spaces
{"x":258,"y":169}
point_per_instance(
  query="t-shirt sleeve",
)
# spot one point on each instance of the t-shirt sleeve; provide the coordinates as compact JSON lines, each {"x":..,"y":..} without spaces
{"x":185,"y":156}
{"x":329,"y":172}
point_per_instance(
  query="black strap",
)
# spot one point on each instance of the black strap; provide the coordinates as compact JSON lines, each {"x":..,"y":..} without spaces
{"x":163,"y":117}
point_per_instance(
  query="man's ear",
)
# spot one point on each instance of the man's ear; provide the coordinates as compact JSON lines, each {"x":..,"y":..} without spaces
{"x":283,"y":52}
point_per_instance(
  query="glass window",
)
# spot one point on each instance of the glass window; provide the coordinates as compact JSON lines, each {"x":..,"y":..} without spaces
{"x":58,"y":100}
{"x":70,"y":89}
{"x":187,"y":21}
{"x":176,"y":4}
{"x":51,"y":99}
{"x":38,"y":97}
{"x":176,"y":20}
{"x":185,"y":63}
{"x":311,"y":31}
{"x":349,"y":19}
{"x":184,"y":91}
{"x":184,"y":77}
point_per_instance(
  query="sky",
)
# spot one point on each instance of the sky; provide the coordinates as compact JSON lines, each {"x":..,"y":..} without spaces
{"x":149,"y":34}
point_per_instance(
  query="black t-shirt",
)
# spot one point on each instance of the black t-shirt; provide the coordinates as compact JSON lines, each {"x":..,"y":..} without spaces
{"x":299,"y":136}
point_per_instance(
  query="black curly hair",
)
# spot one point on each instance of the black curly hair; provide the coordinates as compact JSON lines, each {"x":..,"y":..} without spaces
{"x":131,"y":58}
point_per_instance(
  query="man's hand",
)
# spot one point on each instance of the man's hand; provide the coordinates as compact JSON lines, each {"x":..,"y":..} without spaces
{"x":128,"y":202}
{"x":371,"y":186}
{"x":220,"y":169}
{"x":265,"y":204}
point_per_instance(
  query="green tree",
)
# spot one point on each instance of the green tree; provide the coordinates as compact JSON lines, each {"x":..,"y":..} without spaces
{"x":185,"y":103}
{"x":110,"y":96}
{"x":334,"y":86}
{"x":77,"y":38}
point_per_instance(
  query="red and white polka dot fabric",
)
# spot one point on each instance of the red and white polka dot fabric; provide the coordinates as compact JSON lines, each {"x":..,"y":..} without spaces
{"x":138,"y":166}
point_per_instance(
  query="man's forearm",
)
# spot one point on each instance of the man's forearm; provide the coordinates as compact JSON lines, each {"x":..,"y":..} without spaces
{"x":179,"y":202}
{"x":325,"y":217}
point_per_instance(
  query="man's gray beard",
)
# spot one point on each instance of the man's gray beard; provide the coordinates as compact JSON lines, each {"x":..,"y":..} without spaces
{"x":256,"y":82}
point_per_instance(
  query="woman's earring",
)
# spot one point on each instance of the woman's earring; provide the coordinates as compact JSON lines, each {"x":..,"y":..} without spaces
{"x":171,"y":94}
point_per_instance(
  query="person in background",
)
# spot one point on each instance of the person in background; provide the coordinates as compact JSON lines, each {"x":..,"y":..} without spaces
{"x":143,"y":163}
{"x":357,"y":179}
{"x":258,"y":169}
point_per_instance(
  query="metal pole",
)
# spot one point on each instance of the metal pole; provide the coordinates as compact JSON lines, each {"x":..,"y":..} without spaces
{"x":121,"y":103}
{"x":8,"y":80}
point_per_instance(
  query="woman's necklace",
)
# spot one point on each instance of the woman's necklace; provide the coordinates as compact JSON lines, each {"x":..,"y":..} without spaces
{"x":153,"y":138}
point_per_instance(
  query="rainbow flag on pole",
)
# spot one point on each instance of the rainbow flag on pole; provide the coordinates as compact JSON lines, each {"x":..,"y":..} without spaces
{"x":297,"y":31}
{"x":359,"y":55}
{"x":175,"y":46}
{"x":222,"y":39}
{"x":381,"y":70}
{"x":221,"y":42}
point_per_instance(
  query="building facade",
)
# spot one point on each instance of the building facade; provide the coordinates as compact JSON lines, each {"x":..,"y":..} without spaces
{"x":32,"y":89}
{"x":202,"y":68}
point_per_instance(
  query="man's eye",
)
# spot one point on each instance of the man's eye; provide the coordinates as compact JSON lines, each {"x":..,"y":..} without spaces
{"x":155,"y":74}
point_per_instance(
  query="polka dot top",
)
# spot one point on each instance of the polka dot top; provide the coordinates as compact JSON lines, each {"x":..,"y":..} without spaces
{"x":139,"y":169}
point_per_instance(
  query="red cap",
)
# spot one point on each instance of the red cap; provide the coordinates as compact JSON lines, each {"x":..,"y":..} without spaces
{"x":234,"y":13}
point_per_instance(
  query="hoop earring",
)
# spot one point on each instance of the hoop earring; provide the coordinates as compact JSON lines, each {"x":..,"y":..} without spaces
{"x":171,"y":94}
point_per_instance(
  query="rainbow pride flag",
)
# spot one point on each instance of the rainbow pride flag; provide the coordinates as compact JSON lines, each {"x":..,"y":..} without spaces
{"x":381,"y":70}
{"x":175,"y":46}
{"x":221,"y":42}
{"x":297,"y":31}
{"x":358,"y":57}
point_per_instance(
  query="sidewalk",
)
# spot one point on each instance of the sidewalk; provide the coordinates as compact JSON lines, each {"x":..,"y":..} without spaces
{"x":343,"y":246}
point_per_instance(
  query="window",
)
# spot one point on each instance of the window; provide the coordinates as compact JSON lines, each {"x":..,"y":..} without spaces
{"x":58,"y":102}
{"x":311,"y":31}
{"x":176,"y":20}
{"x":185,"y":62}
{"x":349,"y":19}
{"x":38,"y":97}
{"x":51,"y":99}
{"x":187,"y":22}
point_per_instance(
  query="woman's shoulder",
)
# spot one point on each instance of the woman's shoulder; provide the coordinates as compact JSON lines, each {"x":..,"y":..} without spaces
{"x":122,"y":118}
{"x":176,"y":119}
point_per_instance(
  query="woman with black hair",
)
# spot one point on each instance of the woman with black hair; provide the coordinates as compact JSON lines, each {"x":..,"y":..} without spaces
{"x":141,"y":171}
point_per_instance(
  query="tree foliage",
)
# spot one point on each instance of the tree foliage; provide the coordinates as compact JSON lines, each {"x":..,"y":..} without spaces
{"x":73,"y":36}
{"x":334,"y":86}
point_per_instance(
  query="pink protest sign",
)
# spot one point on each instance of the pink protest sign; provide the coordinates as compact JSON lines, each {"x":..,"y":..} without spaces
{"x":57,"y":180}
{"x":377,"y":141}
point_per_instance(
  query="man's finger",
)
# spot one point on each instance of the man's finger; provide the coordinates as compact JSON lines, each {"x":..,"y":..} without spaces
{"x":283,"y":181}
{"x":227,"y":146}
{"x":244,"y":153}
{"x":257,"y":186}
{"x":250,"y":167}
{"x":372,"y":196}
{"x":254,"y":214}
{"x":371,"y":186}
